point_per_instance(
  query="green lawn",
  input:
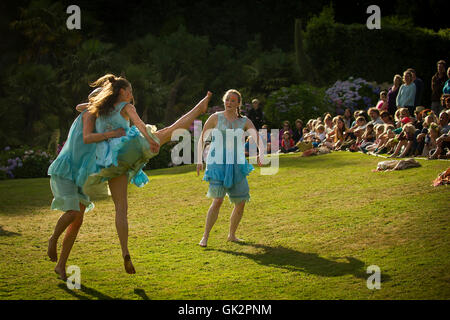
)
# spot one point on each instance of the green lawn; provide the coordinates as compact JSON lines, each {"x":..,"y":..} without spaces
{"x":311,"y":231}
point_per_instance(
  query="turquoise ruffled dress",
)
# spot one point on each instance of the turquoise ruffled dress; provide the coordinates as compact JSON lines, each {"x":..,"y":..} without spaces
{"x":69,"y":171}
{"x":124,"y":155}
{"x":226,"y":166}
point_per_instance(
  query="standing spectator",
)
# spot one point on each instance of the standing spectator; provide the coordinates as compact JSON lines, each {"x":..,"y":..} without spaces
{"x":407,"y":93}
{"x":298,"y":131}
{"x":419,"y":87}
{"x":437,"y":86}
{"x":255,"y":114}
{"x":446,"y":89}
{"x":392,"y":94}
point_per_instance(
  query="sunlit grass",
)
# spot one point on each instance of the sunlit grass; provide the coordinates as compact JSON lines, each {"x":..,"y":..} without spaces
{"x":311,"y":231}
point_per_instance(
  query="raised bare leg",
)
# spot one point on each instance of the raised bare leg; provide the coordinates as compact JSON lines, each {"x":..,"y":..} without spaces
{"x":185,"y":121}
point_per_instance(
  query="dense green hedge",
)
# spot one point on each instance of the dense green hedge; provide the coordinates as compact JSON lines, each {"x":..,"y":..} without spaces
{"x":338,"y":51}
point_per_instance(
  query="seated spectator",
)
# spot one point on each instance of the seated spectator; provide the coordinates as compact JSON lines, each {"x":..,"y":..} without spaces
{"x":286,"y":127}
{"x":287,"y":143}
{"x":340,"y":137}
{"x":356,"y":131}
{"x":406,"y":140}
{"x":429,"y":140}
{"x":386,"y":118}
{"x":366,"y":139}
{"x":321,"y":134}
{"x":387,"y":142}
{"x":379,"y":130}
{"x":443,"y":142}
{"x":298,"y":131}
{"x":348,"y":119}
{"x":329,"y":125}
{"x":374,"y":114}
{"x":382,"y":104}
{"x":446,"y":103}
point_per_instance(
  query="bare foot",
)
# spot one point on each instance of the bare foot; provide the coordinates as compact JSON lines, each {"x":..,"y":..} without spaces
{"x":203,"y":104}
{"x":52,"y":250}
{"x":234,"y":239}
{"x":61,"y":272}
{"x":129,"y":268}
{"x":203,"y":243}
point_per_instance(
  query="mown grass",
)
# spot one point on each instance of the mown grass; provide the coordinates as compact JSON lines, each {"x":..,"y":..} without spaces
{"x":311,"y":231}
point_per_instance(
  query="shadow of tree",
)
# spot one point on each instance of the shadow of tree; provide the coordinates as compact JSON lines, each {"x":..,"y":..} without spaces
{"x":86,"y":290}
{"x":141,"y":293}
{"x":5,"y":233}
{"x":296,"y":261}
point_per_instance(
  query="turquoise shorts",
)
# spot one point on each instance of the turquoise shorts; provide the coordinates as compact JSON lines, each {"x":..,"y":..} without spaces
{"x":236,"y":193}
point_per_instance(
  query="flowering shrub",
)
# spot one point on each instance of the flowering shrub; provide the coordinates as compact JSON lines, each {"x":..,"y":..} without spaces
{"x":296,"y":102}
{"x":352,"y":93}
{"x":24,"y":163}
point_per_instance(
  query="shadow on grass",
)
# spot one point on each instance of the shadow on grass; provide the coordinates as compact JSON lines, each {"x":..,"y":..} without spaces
{"x":86,"y":290}
{"x":141,"y":293}
{"x":297,"y":261}
{"x":6,"y":233}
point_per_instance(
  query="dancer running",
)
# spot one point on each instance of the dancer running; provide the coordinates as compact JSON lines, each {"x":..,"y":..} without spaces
{"x":227,"y":174}
{"x":121,"y":160}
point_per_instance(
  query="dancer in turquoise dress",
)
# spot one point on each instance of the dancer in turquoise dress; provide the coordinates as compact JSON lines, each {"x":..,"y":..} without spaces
{"x":68,"y":173}
{"x":120,"y":161}
{"x":226,"y":166}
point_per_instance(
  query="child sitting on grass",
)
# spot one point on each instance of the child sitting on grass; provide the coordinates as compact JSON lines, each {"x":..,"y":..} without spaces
{"x":379,"y":131}
{"x":287,"y":143}
{"x":406,"y":140}
{"x":367,"y":138}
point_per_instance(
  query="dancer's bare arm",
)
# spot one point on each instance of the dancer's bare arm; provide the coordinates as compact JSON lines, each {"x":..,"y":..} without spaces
{"x":88,"y":130}
{"x":82,"y":106}
{"x":210,"y":124}
{"x":130,"y":110}
{"x":255,"y":136}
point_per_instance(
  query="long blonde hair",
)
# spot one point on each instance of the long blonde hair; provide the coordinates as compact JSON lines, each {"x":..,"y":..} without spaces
{"x":103,"y":102}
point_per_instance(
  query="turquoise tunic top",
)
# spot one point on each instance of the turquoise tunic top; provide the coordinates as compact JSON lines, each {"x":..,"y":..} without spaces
{"x":226,"y":158}
{"x":71,"y":168}
{"x":124,"y":155}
